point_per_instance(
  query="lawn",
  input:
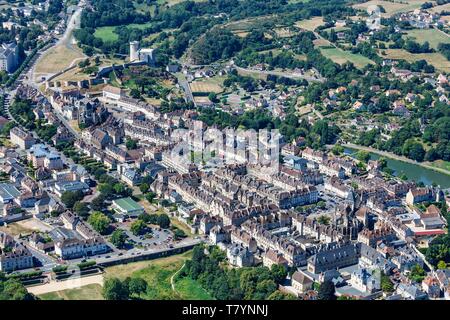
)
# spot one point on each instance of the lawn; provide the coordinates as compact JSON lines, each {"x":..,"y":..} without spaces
{"x":190,"y":290}
{"x":340,"y":56}
{"x":157,"y":273}
{"x":441,"y":164}
{"x":89,"y":292}
{"x":108,"y":34}
{"x":433,"y":36}
{"x":435,"y":59}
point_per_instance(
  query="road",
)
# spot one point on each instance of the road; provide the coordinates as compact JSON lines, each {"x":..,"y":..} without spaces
{"x":395,"y":157}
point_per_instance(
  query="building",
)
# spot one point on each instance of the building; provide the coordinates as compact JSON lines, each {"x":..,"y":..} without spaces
{"x":300,"y":282}
{"x":137,"y":54}
{"x":21,"y":138}
{"x":13,"y":255}
{"x":127,"y":206}
{"x":42,"y":157}
{"x":417,"y":195}
{"x":9,"y":57}
{"x":72,"y":186}
{"x":75,"y":248}
{"x":8,"y":193}
{"x":365,"y":280}
{"x":239,"y":256}
{"x":333,"y":256}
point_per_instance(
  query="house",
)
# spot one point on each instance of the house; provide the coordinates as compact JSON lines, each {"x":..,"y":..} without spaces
{"x":300,"y":282}
{"x":417,"y":195}
{"x":9,"y":57}
{"x":131,"y":177}
{"x":239,"y":256}
{"x":21,"y":138}
{"x":76,"y":248}
{"x":431,"y":219}
{"x":13,"y":255}
{"x":127,"y":206}
{"x":272,"y":257}
{"x":411,"y":292}
{"x":431,"y":286}
{"x":8,"y":193}
{"x":366,"y":281}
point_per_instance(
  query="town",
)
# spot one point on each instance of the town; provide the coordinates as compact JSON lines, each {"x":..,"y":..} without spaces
{"x":275,"y":150}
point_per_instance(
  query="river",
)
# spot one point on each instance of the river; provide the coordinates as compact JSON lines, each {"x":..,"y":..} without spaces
{"x":412,"y":171}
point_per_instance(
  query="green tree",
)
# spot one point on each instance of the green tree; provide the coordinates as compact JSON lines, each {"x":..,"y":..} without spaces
{"x":114,"y":289}
{"x":279,"y":272}
{"x":386,"y":283}
{"x":99,"y":221}
{"x":138,"y":227}
{"x":144,"y":187}
{"x":118,"y":238}
{"x":442,"y":265}
{"x":327,"y":291}
{"x":164,"y":221}
{"x":417,"y":273}
{"x":81,"y":208}
{"x":137,"y":286}
{"x":363,"y":156}
{"x":69,"y":198}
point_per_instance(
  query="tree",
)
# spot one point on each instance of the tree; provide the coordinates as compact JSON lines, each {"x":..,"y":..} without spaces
{"x":363,"y":156}
{"x":118,"y":238}
{"x":98,"y":203}
{"x":99,"y":221}
{"x":114,"y":289}
{"x":279,"y":272}
{"x":131,"y":144}
{"x":327,"y":291}
{"x":144,"y":187}
{"x":386,"y":283}
{"x":138,"y":227}
{"x":164,"y":221}
{"x":137,"y":286}
{"x":150,"y":196}
{"x":417,"y":273}
{"x":442,"y":265}
{"x":81,"y":208}
{"x":69,"y":198}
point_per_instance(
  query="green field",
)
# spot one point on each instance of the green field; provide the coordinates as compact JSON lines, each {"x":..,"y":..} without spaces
{"x":340,"y":56}
{"x":89,"y":292}
{"x":157,"y":274}
{"x":433,"y":36}
{"x":190,"y":290}
{"x":108,"y":34}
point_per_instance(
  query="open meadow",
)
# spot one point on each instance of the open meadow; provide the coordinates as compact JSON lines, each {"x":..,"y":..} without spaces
{"x":340,"y":56}
{"x":435,"y":59}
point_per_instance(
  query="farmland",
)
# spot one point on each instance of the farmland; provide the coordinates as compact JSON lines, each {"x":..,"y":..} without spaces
{"x":433,"y":36}
{"x":436,"y":59}
{"x":391,"y":8}
{"x":310,"y":24}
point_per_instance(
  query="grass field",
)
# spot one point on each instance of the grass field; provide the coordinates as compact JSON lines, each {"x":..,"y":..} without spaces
{"x":441,"y":164}
{"x":340,"y":56}
{"x":310,"y":24}
{"x":436,"y":59}
{"x":190,"y":289}
{"x":107,"y":33}
{"x":57,"y":59}
{"x":89,"y":292}
{"x":205,"y":86}
{"x":433,"y":36}
{"x":393,"y":7}
{"x":157,"y":273}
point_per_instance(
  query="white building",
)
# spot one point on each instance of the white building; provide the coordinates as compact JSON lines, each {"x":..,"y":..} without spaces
{"x":9,"y":57}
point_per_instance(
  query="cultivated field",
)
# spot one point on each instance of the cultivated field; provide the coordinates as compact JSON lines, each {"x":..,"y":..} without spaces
{"x":340,"y":56}
{"x":393,"y":7}
{"x":310,"y":24}
{"x":433,"y":36}
{"x":435,"y":59}
{"x":205,"y":86}
{"x":439,"y":9}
